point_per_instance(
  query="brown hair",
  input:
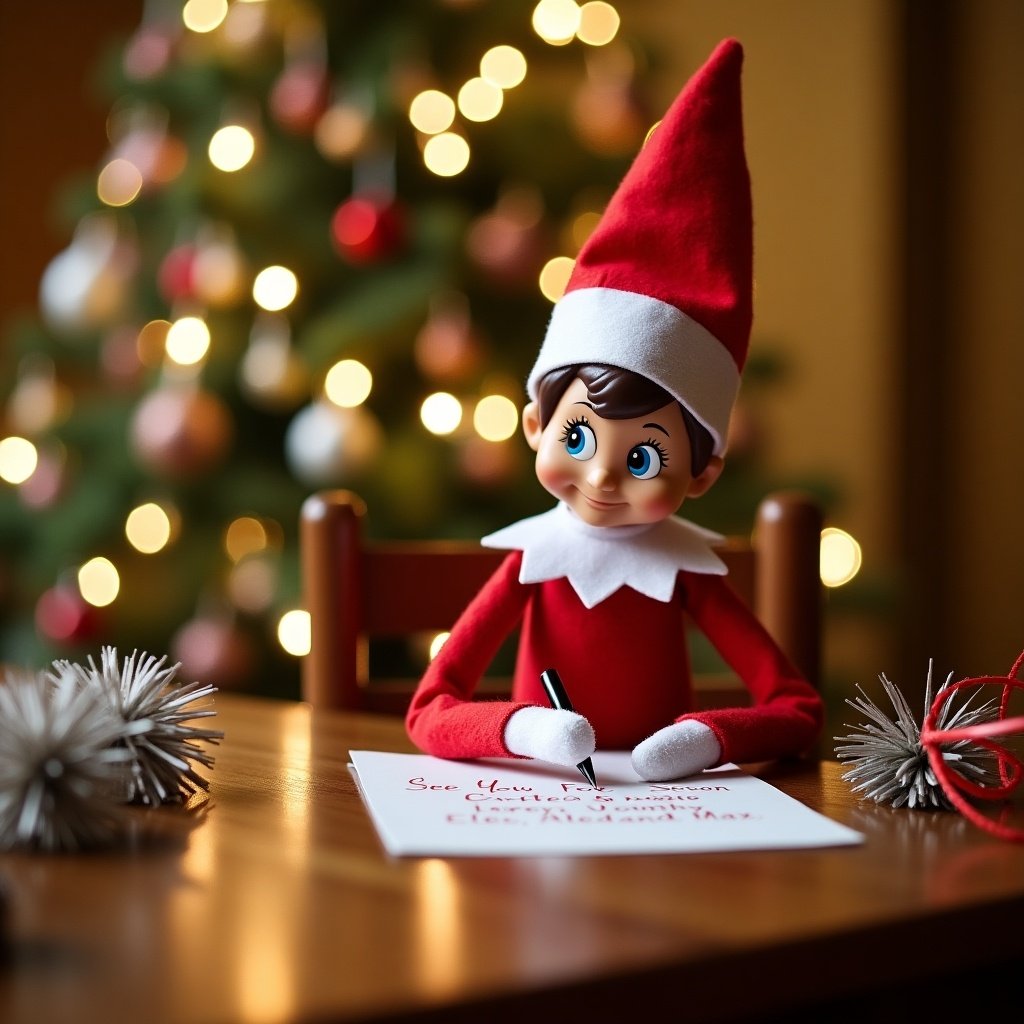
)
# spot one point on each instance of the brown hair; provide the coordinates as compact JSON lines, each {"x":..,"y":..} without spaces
{"x":618,"y":394}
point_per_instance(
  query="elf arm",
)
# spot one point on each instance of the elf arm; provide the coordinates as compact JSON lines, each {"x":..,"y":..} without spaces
{"x":443,"y":719}
{"x":787,"y":713}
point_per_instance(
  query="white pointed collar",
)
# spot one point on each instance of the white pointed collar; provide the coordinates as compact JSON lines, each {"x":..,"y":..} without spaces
{"x":598,"y":560}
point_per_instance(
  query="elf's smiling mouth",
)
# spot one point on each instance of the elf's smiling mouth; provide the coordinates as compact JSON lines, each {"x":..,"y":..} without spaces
{"x":601,"y":506}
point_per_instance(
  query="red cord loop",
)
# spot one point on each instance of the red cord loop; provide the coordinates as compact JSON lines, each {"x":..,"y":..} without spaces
{"x":1010,"y":768}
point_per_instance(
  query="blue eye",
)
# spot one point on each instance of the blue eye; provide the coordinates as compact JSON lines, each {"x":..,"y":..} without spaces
{"x":580,"y":441}
{"x":644,"y":461}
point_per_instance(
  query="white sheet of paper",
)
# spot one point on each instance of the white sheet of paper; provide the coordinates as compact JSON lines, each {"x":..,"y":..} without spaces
{"x":424,"y":806}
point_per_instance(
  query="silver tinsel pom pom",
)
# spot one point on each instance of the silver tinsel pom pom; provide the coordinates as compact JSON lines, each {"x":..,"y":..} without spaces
{"x":888,"y":762}
{"x":153,"y":707}
{"x":58,"y":763}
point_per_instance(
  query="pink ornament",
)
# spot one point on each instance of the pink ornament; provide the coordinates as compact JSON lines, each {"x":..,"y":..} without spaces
{"x":64,"y":617}
{"x":300,"y":96}
{"x":181,"y":432}
{"x":214,"y":650}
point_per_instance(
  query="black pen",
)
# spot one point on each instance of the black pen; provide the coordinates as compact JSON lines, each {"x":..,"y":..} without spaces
{"x":560,"y":699}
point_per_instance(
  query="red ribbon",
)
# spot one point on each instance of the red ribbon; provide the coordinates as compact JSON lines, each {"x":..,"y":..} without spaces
{"x":1010,"y":768}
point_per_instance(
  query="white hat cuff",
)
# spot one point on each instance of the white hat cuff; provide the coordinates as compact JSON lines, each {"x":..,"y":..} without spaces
{"x":650,"y":337}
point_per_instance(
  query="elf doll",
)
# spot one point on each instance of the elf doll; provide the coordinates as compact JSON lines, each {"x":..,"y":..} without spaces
{"x":629,"y":406}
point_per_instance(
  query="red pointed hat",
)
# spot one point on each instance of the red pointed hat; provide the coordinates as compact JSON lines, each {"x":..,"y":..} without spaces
{"x":663,"y":285}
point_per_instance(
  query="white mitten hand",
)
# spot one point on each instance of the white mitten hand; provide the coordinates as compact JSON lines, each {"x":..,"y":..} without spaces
{"x":678,"y":750}
{"x":562,"y":737}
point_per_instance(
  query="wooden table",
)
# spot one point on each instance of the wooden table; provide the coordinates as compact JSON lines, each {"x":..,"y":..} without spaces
{"x":278,"y":904}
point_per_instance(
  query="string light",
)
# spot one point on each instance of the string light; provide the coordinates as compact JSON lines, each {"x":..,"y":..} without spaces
{"x":294,"y":632}
{"x":441,"y":413}
{"x":149,"y":528}
{"x":187,"y":341}
{"x":554,"y":277}
{"x":204,"y":15}
{"x":432,"y":112}
{"x":437,"y":643}
{"x":18,"y":459}
{"x":348,"y":383}
{"x":480,"y":100}
{"x":275,"y":288}
{"x":840,"y":557}
{"x":231,"y":148}
{"x":503,"y":66}
{"x":446,"y":154}
{"x":245,"y":535}
{"x":119,"y":183}
{"x":583,"y":226}
{"x":556,"y":21}
{"x":151,"y":342}
{"x":599,"y":22}
{"x":650,"y":132}
{"x":99,"y":582}
{"x":495,"y":418}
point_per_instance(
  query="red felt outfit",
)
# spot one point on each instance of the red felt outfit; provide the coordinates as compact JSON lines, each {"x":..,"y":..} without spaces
{"x":624,"y":664}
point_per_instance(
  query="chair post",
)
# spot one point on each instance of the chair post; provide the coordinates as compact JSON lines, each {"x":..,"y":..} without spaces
{"x":331,"y":532}
{"x":787,"y":535}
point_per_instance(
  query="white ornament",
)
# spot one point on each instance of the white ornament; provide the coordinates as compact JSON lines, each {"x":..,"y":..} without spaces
{"x":326,"y":444}
{"x":84,"y":286}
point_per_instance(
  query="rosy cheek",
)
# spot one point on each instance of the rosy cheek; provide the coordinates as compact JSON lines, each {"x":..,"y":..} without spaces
{"x":659,"y":502}
{"x":550,"y":472}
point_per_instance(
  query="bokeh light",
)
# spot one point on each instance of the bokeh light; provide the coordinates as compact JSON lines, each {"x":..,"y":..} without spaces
{"x":245,"y":535}
{"x":480,"y":100}
{"x":599,"y":23}
{"x":495,"y":418}
{"x":231,"y":147}
{"x":149,"y":528}
{"x":446,"y":154}
{"x":119,"y":183}
{"x":187,"y":341}
{"x":99,"y":582}
{"x":432,"y":112}
{"x":437,"y":642}
{"x":554,"y":277}
{"x":275,"y":288}
{"x":840,"y":558}
{"x":204,"y":15}
{"x":18,"y":459}
{"x":503,"y":66}
{"x":294,"y":632}
{"x":348,"y":383}
{"x":556,"y":21}
{"x":441,"y":413}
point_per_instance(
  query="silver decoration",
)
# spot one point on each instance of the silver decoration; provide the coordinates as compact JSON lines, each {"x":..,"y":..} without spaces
{"x":154,"y":707}
{"x":888,"y":762}
{"x":58,"y":763}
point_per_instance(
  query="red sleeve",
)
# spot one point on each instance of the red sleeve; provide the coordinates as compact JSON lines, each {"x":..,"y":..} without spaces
{"x":787,"y":713}
{"x":443,"y":719}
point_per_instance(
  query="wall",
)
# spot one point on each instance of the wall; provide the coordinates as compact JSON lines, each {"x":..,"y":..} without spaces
{"x":984,"y":600}
{"x":821,"y":110}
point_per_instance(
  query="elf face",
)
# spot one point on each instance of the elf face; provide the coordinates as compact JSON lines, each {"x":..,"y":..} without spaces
{"x":615,"y":472}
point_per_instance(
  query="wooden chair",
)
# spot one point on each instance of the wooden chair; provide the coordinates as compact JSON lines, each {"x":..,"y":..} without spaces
{"x":355,"y":591}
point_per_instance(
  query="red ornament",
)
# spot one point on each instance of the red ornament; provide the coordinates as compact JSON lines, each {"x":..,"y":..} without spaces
{"x":176,"y":276}
{"x":367,"y":230}
{"x":181,"y":432}
{"x":63,"y":616}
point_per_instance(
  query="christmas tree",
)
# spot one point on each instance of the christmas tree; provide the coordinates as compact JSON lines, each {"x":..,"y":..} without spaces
{"x":320,"y":251}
